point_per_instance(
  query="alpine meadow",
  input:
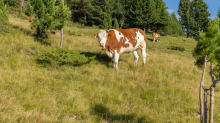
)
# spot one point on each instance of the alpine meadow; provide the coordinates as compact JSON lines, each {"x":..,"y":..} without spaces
{"x":59,"y":73}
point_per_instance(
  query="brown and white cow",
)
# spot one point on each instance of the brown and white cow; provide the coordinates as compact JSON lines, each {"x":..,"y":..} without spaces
{"x":156,"y":36}
{"x":118,"y":41}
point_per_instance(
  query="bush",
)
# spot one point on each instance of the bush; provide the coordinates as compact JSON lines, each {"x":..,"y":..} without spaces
{"x":4,"y":21}
{"x":59,"y":57}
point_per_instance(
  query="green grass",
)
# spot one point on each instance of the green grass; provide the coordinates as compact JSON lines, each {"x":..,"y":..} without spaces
{"x":165,"y":91}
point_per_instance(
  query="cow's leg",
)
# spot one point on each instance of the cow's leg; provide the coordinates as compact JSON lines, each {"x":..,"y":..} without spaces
{"x":135,"y":57}
{"x":144,"y":54}
{"x":154,"y":39}
{"x":116,"y":58}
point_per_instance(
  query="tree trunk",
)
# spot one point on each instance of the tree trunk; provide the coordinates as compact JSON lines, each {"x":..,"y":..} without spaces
{"x":61,"y":41}
{"x":212,"y":88}
{"x":205,"y":106}
{"x":200,"y":92}
{"x":22,"y":4}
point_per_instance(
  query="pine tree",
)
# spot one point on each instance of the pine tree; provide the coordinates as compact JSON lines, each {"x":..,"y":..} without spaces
{"x":218,"y":14}
{"x":174,"y":25}
{"x":118,"y":11}
{"x":109,"y":22}
{"x":116,"y":25}
{"x":62,"y":15}
{"x":44,"y":19}
{"x":105,"y":24}
{"x":29,"y":9}
{"x":162,"y":16}
{"x":136,"y":16}
{"x":208,"y":50}
{"x":99,"y":10}
{"x":184,"y":12}
{"x":80,"y":10}
{"x":151,"y":13}
{"x":200,"y":15}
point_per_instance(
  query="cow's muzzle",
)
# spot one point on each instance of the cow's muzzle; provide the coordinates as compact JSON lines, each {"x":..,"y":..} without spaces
{"x":101,"y":44}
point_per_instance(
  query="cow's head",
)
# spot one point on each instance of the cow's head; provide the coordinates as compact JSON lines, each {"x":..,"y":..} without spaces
{"x":102,"y":38}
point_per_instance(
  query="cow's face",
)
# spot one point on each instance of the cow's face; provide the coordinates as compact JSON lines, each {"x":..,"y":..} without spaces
{"x":102,"y":38}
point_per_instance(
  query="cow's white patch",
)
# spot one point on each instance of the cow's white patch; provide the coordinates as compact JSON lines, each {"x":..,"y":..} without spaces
{"x":118,"y":35}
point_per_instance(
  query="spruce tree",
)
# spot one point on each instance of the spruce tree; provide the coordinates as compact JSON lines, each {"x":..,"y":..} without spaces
{"x":184,"y":12}
{"x":80,"y":10}
{"x":29,"y":9}
{"x":151,"y":13}
{"x":218,"y":14}
{"x":116,"y":25}
{"x":200,"y":15}
{"x":62,"y":15}
{"x":118,"y":11}
{"x":174,"y":25}
{"x":44,"y":19}
{"x":99,"y":10}
{"x":109,"y":22}
{"x":105,"y":24}
{"x":136,"y":16}
{"x":162,"y":16}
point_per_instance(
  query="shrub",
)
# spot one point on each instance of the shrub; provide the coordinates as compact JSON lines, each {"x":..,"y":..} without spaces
{"x":59,"y":57}
{"x":4,"y":21}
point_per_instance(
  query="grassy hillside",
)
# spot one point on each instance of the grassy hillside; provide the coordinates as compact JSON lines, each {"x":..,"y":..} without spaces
{"x":165,"y":91}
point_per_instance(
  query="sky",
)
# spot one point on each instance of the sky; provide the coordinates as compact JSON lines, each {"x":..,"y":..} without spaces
{"x":213,"y":6}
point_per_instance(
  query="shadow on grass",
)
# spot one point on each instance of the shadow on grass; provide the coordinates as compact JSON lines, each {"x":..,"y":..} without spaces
{"x":22,"y":29}
{"x":102,"y":58}
{"x":43,"y":40}
{"x":102,"y":112}
{"x":150,"y":39}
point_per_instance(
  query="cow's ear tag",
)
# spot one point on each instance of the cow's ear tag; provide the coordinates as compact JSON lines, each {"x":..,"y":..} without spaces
{"x":109,"y":36}
{"x":95,"y":36}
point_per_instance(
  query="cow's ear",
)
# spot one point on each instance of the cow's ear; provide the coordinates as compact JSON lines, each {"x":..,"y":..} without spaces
{"x":94,"y":35}
{"x":109,"y":36}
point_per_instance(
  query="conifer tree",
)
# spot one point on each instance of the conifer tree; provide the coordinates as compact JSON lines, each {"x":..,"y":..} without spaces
{"x":151,"y":13}
{"x":118,"y":11}
{"x":174,"y":25}
{"x":105,"y":24}
{"x":29,"y":9}
{"x":116,"y":25}
{"x":109,"y":22}
{"x":80,"y":10}
{"x":218,"y":14}
{"x":99,"y":10}
{"x":208,"y":50}
{"x":62,"y":15}
{"x":44,"y":19}
{"x":136,"y":15}
{"x":200,"y":16}
{"x":162,"y":16}
{"x":184,"y":12}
